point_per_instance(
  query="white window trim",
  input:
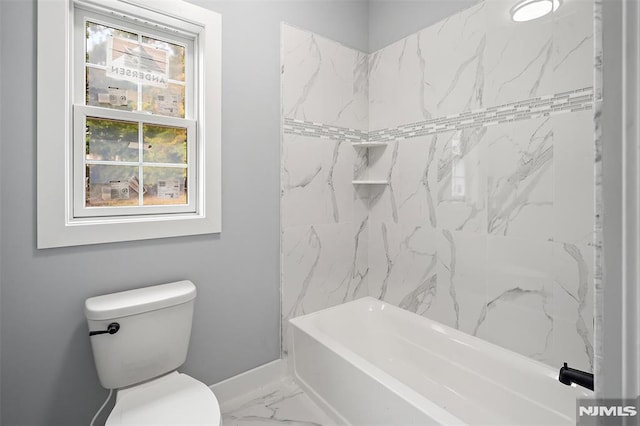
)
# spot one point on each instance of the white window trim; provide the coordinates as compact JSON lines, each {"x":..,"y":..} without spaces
{"x":56,"y":225}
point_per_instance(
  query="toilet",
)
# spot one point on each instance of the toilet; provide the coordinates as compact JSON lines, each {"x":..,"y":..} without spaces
{"x":139,"y":339}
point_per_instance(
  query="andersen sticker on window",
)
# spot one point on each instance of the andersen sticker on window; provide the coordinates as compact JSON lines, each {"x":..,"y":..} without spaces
{"x":138,"y":62}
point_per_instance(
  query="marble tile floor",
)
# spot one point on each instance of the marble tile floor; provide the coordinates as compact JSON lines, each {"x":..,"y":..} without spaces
{"x":280,"y":402}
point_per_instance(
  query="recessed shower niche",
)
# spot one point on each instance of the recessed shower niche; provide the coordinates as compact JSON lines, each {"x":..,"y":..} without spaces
{"x":365,"y":172}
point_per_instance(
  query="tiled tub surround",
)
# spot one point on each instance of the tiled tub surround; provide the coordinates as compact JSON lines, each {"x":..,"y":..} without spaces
{"x":323,"y":218}
{"x":487,"y":222}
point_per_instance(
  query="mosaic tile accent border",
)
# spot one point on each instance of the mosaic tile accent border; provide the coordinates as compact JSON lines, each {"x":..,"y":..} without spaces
{"x":324,"y":131}
{"x":542,"y":106}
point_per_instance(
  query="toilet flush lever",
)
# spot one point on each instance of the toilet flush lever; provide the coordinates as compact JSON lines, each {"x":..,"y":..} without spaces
{"x":111,"y":329}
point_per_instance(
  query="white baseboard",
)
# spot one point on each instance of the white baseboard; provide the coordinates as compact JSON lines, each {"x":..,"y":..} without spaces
{"x":249,"y":381}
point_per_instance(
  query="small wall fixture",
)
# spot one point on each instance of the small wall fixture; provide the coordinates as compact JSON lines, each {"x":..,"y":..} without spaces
{"x":527,"y":10}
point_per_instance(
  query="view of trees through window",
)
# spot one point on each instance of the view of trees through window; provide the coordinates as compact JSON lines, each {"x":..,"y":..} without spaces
{"x":111,"y":53}
{"x":129,"y":163}
{"x":117,"y":162}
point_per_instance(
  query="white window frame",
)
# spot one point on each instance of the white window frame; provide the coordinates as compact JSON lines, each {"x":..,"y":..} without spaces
{"x":84,"y":13}
{"x":59,"y":223}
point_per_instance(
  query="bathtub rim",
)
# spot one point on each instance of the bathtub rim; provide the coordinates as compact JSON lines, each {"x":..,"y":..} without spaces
{"x":305,"y":324}
{"x":504,"y":353}
{"x":380,"y":376}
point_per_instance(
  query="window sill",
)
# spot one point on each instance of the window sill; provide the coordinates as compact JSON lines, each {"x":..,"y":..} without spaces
{"x":83,"y":231}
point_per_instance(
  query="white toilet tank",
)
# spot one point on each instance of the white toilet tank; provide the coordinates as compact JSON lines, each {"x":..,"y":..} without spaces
{"x":153,"y":335}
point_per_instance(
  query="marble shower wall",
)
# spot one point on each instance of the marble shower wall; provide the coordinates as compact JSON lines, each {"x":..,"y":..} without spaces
{"x":487,"y":222}
{"x":323,"y":220}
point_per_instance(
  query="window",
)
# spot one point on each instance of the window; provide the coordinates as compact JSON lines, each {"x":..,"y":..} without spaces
{"x":129,"y":140}
{"x":134,"y":136}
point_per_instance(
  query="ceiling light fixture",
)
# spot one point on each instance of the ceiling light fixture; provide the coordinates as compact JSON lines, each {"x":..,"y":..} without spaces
{"x":528,"y":10}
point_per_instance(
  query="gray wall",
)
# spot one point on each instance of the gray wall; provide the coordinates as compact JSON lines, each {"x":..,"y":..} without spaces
{"x":2,"y":41}
{"x":48,"y":376}
{"x":391,"y":20}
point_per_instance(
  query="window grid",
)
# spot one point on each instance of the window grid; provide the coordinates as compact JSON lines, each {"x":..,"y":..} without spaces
{"x":83,"y":113}
{"x":140,"y":35}
{"x":189,"y":189}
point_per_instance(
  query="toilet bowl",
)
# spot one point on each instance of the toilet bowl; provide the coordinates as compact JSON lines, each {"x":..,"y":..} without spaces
{"x":139,"y":339}
{"x":173,"y":399}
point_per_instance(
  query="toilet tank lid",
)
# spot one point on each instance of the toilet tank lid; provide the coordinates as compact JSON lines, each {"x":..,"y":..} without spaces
{"x":131,"y":302}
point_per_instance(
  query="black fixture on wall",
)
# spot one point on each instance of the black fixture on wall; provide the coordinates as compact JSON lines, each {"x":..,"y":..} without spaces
{"x":569,"y":375}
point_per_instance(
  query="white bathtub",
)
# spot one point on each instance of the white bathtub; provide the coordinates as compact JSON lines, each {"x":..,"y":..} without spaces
{"x":370,"y":363}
